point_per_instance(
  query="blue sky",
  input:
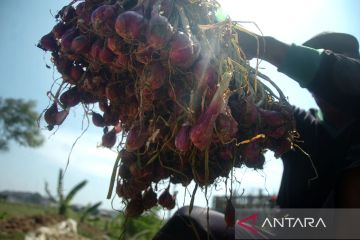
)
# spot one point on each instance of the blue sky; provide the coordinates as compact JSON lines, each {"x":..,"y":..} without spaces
{"x":24,"y":75}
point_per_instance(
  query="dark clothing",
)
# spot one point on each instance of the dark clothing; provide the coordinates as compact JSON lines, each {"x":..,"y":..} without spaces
{"x":193,"y":227}
{"x":337,"y":81}
{"x":180,"y":227}
{"x":183,"y":226}
{"x":331,"y":155}
{"x":333,"y":143}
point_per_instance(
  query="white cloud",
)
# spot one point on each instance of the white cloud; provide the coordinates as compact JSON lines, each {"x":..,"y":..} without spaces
{"x":86,"y":155}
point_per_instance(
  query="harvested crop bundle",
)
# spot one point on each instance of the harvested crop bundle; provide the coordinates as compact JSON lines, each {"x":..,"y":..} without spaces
{"x":171,"y":79}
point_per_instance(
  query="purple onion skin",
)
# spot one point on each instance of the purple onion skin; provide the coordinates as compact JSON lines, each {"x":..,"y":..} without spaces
{"x":75,"y":74}
{"x":225,"y":154}
{"x":81,"y":9}
{"x":106,"y":56}
{"x":48,"y":43}
{"x":130,"y":25}
{"x":67,"y":13}
{"x":144,"y":53}
{"x":277,"y":132}
{"x":272,"y":118}
{"x":109,"y":139}
{"x":227,"y":127}
{"x":98,"y":120}
{"x":59,"y":29}
{"x":50,"y":114}
{"x":279,"y":146}
{"x":159,"y":32}
{"x":67,"y":38}
{"x":167,"y":200}
{"x":95,"y":50}
{"x":201,"y":133}
{"x":61,"y":116}
{"x":80,"y":44}
{"x":183,"y":51}
{"x":71,"y":97}
{"x":116,"y":45}
{"x":205,"y":74}
{"x":121,"y":61}
{"x":62,"y":64}
{"x":251,"y":153}
{"x":246,"y":113}
{"x":135,"y":139}
{"x":103,"y":19}
{"x":182,"y":139}
{"x":149,"y":199}
{"x":55,"y":117}
{"x":154,"y":75}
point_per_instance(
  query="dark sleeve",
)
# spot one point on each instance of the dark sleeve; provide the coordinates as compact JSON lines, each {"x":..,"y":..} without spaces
{"x":338,"y":82}
{"x":333,"y":77}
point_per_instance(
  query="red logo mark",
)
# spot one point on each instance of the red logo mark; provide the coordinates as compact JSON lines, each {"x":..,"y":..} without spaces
{"x":251,"y":226}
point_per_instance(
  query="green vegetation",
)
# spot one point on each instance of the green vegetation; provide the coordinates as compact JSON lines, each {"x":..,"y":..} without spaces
{"x":141,"y":228}
{"x":10,"y":210}
{"x":18,"y":219}
{"x":92,"y":209}
{"x":144,"y":227}
{"x":18,"y":122}
{"x":64,"y":201}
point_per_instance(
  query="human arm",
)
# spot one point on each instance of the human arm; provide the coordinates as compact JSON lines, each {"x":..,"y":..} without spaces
{"x":263,"y":47}
{"x":333,"y":77}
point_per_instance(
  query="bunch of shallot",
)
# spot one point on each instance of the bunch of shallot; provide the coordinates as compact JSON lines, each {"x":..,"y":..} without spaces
{"x":170,"y":78}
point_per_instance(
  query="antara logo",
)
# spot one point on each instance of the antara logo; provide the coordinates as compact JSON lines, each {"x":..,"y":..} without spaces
{"x":249,"y":222}
{"x":291,"y":222}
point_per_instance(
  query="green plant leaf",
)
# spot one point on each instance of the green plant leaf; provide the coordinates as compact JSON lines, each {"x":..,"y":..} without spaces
{"x":73,"y":192}
{"x":88,"y":210}
{"x":60,"y":186}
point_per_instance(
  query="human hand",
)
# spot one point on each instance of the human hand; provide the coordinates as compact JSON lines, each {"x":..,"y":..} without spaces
{"x":263,"y":47}
{"x":250,"y":43}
